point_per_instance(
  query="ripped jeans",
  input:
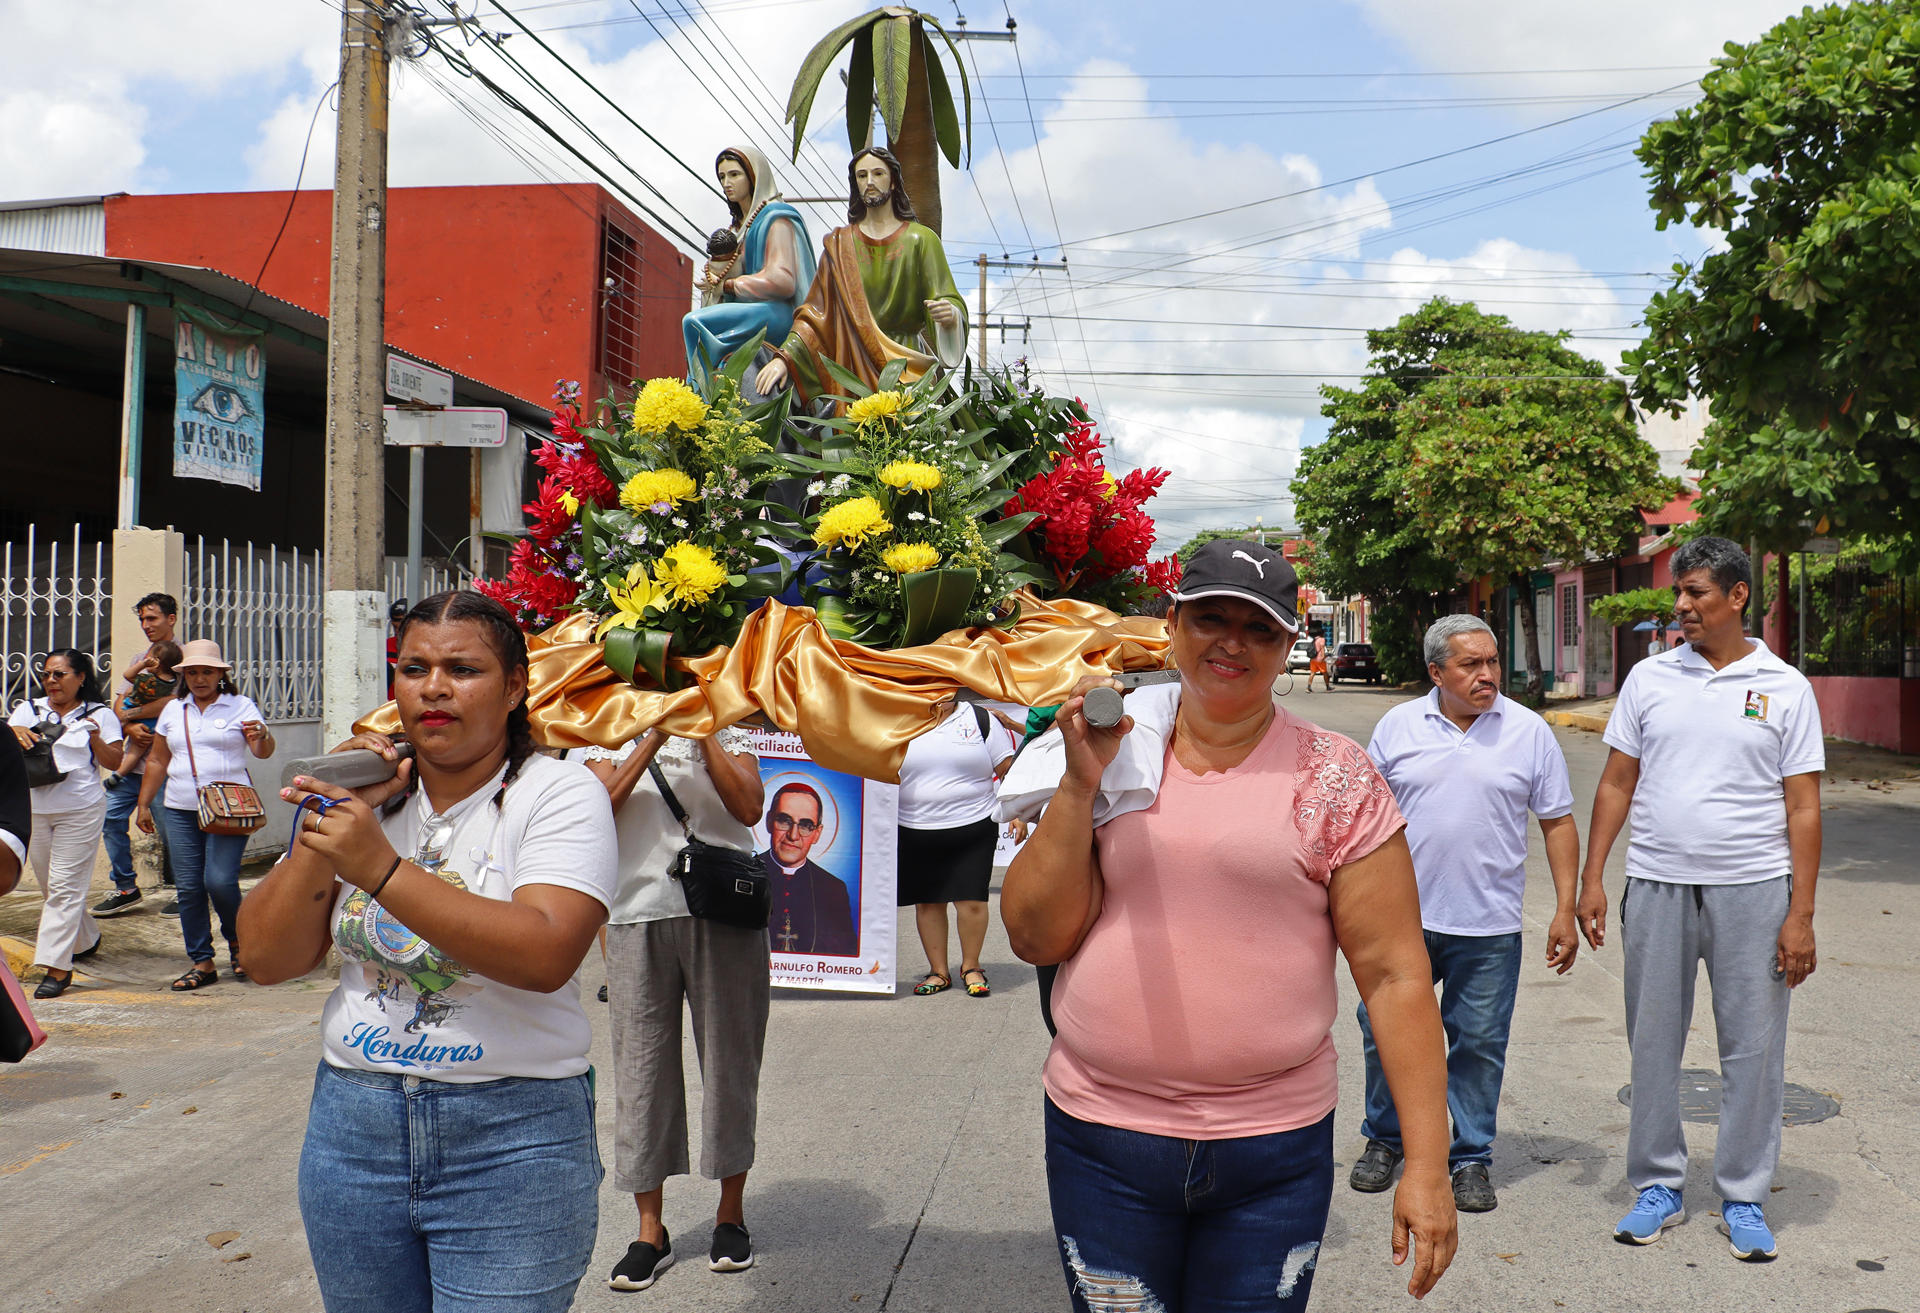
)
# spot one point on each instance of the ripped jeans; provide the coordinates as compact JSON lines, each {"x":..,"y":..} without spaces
{"x":1151,"y":1224}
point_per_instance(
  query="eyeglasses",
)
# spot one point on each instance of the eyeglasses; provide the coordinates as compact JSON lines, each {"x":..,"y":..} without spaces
{"x":782,"y":821}
{"x":47,"y":672}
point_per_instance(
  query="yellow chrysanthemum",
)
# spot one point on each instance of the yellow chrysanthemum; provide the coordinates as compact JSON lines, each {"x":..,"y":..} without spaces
{"x":569,"y":503}
{"x":910,"y":558}
{"x":651,"y":488}
{"x":881,"y":405}
{"x":689,"y":573}
{"x":667,"y":403}
{"x":851,"y":522}
{"x":913,"y":474}
{"x":632,"y":602}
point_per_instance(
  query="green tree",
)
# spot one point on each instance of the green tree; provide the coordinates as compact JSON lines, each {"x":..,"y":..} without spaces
{"x":1473,"y":448}
{"x":896,"y":66}
{"x":1804,"y":330}
{"x":1250,"y":533}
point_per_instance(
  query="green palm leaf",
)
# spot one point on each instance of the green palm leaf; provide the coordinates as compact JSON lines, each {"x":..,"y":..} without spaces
{"x":946,"y":125}
{"x":892,"y":58}
{"x":806,"y":84}
{"x":936,"y":602}
{"x":860,"y":95}
{"x":937,"y":79}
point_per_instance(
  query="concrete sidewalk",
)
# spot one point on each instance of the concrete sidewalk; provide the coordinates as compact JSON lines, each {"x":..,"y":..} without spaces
{"x":900,"y":1139}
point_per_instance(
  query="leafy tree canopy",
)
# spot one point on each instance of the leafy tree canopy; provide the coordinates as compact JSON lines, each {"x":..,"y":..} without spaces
{"x":1804,"y":332}
{"x":1472,"y":447}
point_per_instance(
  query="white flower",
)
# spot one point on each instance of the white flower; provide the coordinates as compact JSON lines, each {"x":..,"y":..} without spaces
{"x":839,"y":484}
{"x":817,"y":487}
{"x":679,"y":522}
{"x":915,"y":515}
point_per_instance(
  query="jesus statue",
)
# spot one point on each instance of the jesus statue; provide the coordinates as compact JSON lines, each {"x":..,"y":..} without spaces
{"x":883,"y":292}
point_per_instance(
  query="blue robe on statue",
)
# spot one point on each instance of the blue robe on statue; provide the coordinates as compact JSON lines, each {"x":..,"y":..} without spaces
{"x":715,"y":332}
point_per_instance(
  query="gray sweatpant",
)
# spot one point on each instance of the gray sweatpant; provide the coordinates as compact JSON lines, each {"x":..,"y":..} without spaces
{"x":1668,"y":930}
{"x":722,"y":973}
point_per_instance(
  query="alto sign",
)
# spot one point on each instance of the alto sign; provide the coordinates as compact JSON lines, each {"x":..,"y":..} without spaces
{"x":411,"y":381}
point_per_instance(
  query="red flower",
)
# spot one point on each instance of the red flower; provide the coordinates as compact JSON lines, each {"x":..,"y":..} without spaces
{"x":1163,"y":574}
{"x":1082,"y":509}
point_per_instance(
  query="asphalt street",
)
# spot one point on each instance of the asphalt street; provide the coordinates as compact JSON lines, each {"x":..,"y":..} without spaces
{"x":147,"y":1152}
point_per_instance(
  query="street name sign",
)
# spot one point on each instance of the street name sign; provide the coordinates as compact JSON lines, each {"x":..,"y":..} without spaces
{"x":412,"y":381}
{"x":456,"y":426}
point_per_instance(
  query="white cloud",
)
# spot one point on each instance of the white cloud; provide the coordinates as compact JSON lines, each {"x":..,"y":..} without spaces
{"x":1528,"y":34}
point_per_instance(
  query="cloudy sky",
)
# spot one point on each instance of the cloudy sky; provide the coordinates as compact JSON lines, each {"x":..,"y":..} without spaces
{"x":1240,"y":190}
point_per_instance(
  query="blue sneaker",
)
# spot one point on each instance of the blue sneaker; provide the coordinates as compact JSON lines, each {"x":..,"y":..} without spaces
{"x":1657,"y":1209}
{"x":1745,"y":1225}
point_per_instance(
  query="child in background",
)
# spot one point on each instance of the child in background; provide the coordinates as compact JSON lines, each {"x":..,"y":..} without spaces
{"x":154,"y":679}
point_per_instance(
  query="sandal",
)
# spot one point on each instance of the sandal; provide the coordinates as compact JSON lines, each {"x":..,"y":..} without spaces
{"x":196,"y":978}
{"x":980,"y":990}
{"x":935,"y":983}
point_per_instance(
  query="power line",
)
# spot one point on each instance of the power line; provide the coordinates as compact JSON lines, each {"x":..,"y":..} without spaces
{"x":592,"y":86}
{"x":1374,"y":173}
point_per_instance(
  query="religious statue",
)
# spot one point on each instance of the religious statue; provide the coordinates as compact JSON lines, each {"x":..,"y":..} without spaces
{"x":884,"y":292}
{"x":757,"y":271}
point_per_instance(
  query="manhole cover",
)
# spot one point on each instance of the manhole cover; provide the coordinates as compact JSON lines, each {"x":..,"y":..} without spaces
{"x":1700,"y":1100}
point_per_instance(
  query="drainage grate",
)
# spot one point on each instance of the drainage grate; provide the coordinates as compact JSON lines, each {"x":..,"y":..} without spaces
{"x":1700,"y":1100}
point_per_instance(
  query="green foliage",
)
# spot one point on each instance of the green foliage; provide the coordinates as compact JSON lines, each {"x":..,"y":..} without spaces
{"x":883,"y":42}
{"x":1195,"y":543}
{"x":1632,"y":606}
{"x":1803,"y":330}
{"x":1471,"y":448}
{"x":1020,"y":419}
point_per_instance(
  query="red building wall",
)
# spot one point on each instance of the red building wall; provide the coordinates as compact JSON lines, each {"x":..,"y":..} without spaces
{"x":502,"y":284}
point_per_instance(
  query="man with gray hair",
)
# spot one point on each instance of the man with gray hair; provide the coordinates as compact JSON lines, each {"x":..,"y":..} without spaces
{"x":1716,"y":756}
{"x":1466,"y":765}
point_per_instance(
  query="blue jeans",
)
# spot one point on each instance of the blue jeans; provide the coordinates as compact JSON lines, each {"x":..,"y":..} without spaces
{"x":1153,"y":1224}
{"x":1478,"y":977}
{"x":425,"y":1196}
{"x":205,"y":867}
{"x":121,"y":799}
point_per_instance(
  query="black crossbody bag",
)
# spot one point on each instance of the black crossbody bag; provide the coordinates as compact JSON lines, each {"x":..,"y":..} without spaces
{"x":721,"y":884}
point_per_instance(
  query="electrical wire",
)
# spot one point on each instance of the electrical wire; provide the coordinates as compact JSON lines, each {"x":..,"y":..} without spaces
{"x":292,"y":196}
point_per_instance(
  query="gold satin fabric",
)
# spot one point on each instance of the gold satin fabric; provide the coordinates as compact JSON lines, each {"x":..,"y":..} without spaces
{"x":855,"y":708}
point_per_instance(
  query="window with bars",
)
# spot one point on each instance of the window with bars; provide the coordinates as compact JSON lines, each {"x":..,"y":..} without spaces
{"x":617,"y":353}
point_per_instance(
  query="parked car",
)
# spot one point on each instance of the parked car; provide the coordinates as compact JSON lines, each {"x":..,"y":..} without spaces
{"x":1302,"y":655}
{"x":1354,"y":661}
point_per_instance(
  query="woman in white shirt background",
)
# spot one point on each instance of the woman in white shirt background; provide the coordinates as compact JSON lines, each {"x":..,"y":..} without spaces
{"x":662,"y":960}
{"x":947,"y":837}
{"x":202,"y":737}
{"x":67,"y":814}
{"x":450,"y":1158}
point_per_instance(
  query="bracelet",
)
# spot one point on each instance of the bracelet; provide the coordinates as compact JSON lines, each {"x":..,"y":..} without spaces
{"x":375,"y":891}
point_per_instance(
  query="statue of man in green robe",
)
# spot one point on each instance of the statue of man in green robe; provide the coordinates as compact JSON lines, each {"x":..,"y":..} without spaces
{"x":883,"y":291}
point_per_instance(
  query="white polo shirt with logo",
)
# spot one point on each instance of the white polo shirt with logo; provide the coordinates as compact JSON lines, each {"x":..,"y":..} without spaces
{"x":1715,"y":747}
{"x":1466,"y":795}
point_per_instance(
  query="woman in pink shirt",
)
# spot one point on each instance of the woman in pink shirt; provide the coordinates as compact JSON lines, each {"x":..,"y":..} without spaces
{"x":1190,"y":1089}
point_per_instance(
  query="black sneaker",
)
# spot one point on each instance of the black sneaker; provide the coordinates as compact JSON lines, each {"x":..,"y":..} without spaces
{"x":170,"y":908}
{"x":643,"y":1264}
{"x":1374,"y":1172}
{"x":732,"y":1251}
{"x":1472,"y":1191}
{"x":116,"y":902}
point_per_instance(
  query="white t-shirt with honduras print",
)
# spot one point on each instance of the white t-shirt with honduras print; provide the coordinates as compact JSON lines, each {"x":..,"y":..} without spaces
{"x":403,"y":1006}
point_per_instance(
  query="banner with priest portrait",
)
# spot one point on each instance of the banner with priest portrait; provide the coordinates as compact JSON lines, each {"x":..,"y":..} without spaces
{"x":829,"y":843}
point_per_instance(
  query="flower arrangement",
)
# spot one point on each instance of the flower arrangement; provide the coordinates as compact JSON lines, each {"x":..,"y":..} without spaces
{"x":1088,"y":528}
{"x":899,"y":496}
{"x":652,"y":520}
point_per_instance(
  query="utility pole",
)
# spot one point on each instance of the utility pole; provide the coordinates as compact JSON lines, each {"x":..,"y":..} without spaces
{"x":983,"y":312}
{"x":353,"y":645}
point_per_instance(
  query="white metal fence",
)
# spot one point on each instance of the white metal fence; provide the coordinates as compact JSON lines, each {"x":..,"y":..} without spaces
{"x":263,"y":605}
{"x":54,"y":592}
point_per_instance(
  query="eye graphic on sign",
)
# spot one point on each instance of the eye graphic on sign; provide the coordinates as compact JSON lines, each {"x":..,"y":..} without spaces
{"x":221,"y":402}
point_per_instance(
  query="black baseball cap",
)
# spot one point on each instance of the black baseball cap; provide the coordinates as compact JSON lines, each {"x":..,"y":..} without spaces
{"x":1243,"y":568}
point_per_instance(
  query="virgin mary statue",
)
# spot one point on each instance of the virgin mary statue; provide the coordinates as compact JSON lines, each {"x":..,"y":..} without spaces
{"x":756,"y":285}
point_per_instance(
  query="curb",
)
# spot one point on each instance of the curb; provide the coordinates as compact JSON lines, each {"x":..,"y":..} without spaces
{"x":1576,"y":720}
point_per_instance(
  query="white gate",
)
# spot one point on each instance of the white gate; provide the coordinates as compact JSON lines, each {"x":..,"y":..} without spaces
{"x":54,"y":592}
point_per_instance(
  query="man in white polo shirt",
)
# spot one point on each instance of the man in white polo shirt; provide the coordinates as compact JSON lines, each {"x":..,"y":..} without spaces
{"x":1716,"y":750}
{"x":1466,"y":764}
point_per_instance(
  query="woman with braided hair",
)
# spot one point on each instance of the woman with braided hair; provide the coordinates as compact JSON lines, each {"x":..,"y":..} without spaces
{"x":450,"y":1146}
